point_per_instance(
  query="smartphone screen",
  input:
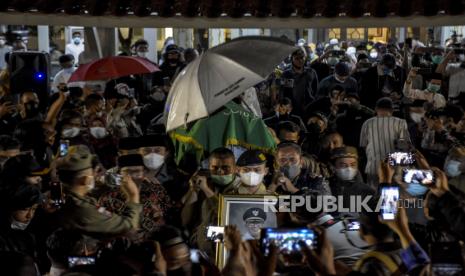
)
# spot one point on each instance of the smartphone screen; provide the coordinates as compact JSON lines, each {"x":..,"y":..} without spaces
{"x":64,"y":147}
{"x":80,"y":260}
{"x":215,"y":233}
{"x":401,"y":158}
{"x":425,"y":177}
{"x":287,"y":241}
{"x":389,"y":197}
{"x":195,"y":257}
{"x":56,"y":193}
{"x":446,"y":258}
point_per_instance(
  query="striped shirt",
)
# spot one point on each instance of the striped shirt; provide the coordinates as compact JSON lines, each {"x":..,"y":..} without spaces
{"x":378,"y":136}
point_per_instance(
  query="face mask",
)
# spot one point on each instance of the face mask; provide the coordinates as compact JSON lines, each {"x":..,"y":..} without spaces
{"x":32,"y":109}
{"x":222,"y":180}
{"x":153,"y":161}
{"x":416,"y":189}
{"x":2,"y":42}
{"x":436,"y":59}
{"x":70,"y":132}
{"x":346,"y":174}
{"x":332,"y":61}
{"x":17,"y":225}
{"x":158,"y":96}
{"x":416,"y":117}
{"x":374,"y":54}
{"x":251,"y":178}
{"x":142,"y":54}
{"x":313,"y":128}
{"x":433,"y":87}
{"x":452,"y":168}
{"x":77,"y":40}
{"x":339,"y":79}
{"x":98,"y":132}
{"x":291,"y":171}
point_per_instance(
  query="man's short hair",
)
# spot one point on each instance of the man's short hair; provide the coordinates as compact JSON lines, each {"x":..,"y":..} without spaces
{"x":454,"y":111}
{"x":63,"y":243}
{"x":221,"y":153}
{"x":288,"y":126}
{"x":288,"y":144}
{"x":285,"y":101}
{"x":76,"y":33}
{"x":65,"y":58}
{"x":140,"y":42}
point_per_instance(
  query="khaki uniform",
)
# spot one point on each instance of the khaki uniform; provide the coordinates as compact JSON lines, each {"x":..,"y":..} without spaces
{"x":84,"y":214}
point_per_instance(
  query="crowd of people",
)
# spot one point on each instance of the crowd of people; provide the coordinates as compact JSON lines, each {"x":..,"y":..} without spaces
{"x":89,"y":184}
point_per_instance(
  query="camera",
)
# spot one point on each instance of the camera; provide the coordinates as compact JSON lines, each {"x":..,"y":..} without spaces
{"x":287,"y":241}
{"x":389,"y":196}
{"x":401,"y":158}
{"x":64,"y":147}
{"x":215,"y":233}
{"x":424,"y":177}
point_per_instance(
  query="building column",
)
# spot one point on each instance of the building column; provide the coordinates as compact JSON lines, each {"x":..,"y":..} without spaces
{"x":43,"y":37}
{"x":235,"y":33}
{"x":246,"y":32}
{"x":150,"y":34}
{"x":184,"y":37}
{"x":312,"y":36}
{"x":402,"y":34}
{"x":216,"y":37}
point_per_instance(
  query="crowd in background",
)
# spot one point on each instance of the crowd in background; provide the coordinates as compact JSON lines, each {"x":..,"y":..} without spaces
{"x":336,"y":110}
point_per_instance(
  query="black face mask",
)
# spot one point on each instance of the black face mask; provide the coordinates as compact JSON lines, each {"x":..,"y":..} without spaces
{"x":32,"y":109}
{"x":313,"y":128}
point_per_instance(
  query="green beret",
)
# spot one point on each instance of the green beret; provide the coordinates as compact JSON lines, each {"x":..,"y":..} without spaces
{"x":344,"y":152}
{"x":78,"y":158}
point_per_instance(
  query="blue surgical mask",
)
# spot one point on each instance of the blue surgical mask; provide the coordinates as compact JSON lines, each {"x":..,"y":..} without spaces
{"x":416,"y":189}
{"x":77,"y":40}
{"x":436,"y":59}
{"x":433,"y":88}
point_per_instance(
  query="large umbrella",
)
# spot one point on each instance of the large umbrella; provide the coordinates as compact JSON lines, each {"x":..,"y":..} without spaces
{"x":230,"y":126}
{"x":112,"y":68}
{"x":221,"y":74}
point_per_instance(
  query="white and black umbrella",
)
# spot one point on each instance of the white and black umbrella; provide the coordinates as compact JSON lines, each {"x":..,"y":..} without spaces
{"x":221,"y":74}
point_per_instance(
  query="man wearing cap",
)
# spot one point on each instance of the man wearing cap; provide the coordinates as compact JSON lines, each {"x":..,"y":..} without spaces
{"x":62,"y":77}
{"x":298,"y":83}
{"x":172,"y":63}
{"x":153,"y":196}
{"x":82,"y":212}
{"x":251,"y":167}
{"x":292,"y":176}
{"x":378,"y":135}
{"x":283,"y":113}
{"x":381,"y":80}
{"x":254,"y":219}
{"x":340,"y":77}
{"x":347,"y":180}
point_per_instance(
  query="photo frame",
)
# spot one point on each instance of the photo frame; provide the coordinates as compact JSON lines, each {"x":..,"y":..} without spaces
{"x":248,"y":213}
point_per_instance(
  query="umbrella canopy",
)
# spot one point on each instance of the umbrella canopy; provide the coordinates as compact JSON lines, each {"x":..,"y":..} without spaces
{"x":112,"y":68}
{"x":231,"y":126}
{"x":221,"y":74}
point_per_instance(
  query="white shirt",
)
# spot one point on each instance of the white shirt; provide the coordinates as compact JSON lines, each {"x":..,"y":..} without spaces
{"x":436,"y":99}
{"x":3,"y":50}
{"x":62,"y":77}
{"x":74,"y":50}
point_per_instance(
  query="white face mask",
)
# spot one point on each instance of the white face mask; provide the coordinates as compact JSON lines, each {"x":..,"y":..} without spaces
{"x":98,"y":132}
{"x":2,"y":42}
{"x":416,"y":117}
{"x":252,"y":178}
{"x":346,"y":174}
{"x":154,"y":161}
{"x":142,"y":54}
{"x":452,"y":168}
{"x":17,"y":225}
{"x":70,"y":132}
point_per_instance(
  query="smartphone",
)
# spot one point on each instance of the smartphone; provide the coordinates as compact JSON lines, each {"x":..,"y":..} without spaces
{"x":215,"y":233}
{"x":115,"y":178}
{"x":446,"y":258}
{"x":287,"y":241}
{"x":389,"y":199}
{"x":64,"y":147}
{"x":401,"y":158}
{"x":353,"y":225}
{"x":56,"y":193}
{"x":425,"y":177}
{"x":195,"y":256}
{"x":80,"y":260}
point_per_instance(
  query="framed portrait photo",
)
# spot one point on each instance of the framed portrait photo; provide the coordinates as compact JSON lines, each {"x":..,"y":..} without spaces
{"x":250,"y":213}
